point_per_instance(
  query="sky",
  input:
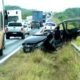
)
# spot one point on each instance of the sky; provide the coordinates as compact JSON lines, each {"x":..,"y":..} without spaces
{"x":45,"y":5}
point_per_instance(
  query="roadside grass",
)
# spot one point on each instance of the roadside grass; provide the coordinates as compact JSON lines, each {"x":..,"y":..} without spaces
{"x":63,"y":64}
{"x":77,"y":41}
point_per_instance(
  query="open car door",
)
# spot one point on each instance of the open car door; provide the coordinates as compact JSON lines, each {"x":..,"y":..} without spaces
{"x":71,"y":28}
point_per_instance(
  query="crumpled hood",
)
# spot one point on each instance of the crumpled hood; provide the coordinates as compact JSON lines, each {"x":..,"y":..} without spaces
{"x":35,"y":39}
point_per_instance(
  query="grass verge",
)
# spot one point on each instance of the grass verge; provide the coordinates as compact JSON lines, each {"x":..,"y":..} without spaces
{"x":63,"y":64}
{"x":77,"y":41}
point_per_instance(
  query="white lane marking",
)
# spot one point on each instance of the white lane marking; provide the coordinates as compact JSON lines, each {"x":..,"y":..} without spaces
{"x":9,"y":55}
{"x":12,"y":53}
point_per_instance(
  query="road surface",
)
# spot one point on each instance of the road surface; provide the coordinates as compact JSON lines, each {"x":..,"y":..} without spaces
{"x":12,"y":45}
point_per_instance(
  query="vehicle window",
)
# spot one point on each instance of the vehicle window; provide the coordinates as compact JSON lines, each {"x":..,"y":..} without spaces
{"x":72,"y":25}
{"x":15,"y":24}
{"x":12,"y":18}
{"x":61,"y":27}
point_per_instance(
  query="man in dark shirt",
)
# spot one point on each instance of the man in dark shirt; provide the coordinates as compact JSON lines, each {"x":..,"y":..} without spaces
{"x":57,"y":36}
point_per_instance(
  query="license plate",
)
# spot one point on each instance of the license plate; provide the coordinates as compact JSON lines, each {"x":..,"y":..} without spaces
{"x":27,"y":49}
{"x":27,"y":46}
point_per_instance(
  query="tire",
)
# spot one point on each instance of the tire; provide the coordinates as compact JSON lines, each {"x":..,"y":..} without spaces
{"x":1,"y":52}
{"x":23,"y":36}
{"x":7,"y":37}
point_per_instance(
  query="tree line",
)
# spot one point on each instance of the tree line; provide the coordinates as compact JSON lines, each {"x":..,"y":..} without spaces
{"x":68,"y":13}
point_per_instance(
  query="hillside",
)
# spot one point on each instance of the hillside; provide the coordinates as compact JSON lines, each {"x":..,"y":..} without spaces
{"x":25,"y":12}
{"x":68,"y":13}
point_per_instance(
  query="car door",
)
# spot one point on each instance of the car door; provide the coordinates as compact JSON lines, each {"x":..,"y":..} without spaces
{"x":71,"y":29}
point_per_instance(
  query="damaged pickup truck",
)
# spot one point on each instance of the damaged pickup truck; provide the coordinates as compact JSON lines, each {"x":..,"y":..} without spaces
{"x":49,"y":40}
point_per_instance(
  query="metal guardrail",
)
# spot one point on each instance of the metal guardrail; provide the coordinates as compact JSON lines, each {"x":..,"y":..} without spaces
{"x":75,"y":46}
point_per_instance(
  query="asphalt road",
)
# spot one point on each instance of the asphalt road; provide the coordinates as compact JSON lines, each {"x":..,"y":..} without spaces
{"x":12,"y":44}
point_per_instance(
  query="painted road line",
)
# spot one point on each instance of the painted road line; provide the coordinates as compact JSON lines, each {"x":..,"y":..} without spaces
{"x":12,"y":53}
{"x":9,"y":55}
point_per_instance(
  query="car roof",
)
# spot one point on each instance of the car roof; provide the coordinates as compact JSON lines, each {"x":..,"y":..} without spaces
{"x":70,"y":20}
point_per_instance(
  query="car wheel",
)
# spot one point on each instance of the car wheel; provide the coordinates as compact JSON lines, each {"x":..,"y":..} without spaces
{"x":1,"y":52}
{"x":7,"y":37}
{"x":23,"y":36}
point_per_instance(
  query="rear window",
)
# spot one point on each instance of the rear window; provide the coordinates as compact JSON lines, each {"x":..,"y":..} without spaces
{"x":12,"y":18}
{"x":15,"y":24}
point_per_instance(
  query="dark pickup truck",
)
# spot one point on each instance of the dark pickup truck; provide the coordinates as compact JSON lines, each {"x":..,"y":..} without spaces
{"x":35,"y":41}
{"x":69,"y":29}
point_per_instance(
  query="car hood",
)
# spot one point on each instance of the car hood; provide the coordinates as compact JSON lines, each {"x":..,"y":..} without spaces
{"x":35,"y":39}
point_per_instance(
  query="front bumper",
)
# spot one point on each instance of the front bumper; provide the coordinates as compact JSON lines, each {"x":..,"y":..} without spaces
{"x":28,"y":47}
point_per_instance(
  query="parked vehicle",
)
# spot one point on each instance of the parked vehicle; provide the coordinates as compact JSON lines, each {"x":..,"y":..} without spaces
{"x":14,"y":15}
{"x":49,"y":26}
{"x":1,"y":42}
{"x":1,"y":31}
{"x":35,"y":24}
{"x":38,"y":18}
{"x":68,"y":31}
{"x":27,"y":28}
{"x":29,"y":19}
{"x":15,"y":29}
